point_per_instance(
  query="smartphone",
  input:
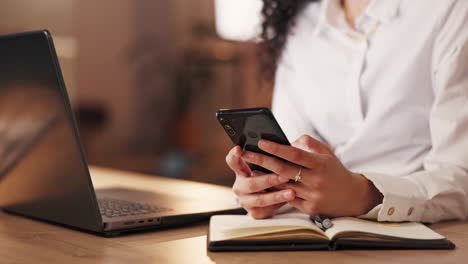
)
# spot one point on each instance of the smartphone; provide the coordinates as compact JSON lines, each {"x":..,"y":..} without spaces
{"x":247,"y":126}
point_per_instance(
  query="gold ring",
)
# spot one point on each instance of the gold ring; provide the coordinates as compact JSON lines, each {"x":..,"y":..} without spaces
{"x":298,"y":175}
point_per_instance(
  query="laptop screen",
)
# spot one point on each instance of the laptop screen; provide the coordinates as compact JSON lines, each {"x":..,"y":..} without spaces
{"x":43,"y":173}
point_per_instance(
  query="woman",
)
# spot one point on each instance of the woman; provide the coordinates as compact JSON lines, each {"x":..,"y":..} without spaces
{"x":376,"y":94}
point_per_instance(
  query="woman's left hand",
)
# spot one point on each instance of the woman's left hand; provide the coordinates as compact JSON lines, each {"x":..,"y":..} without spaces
{"x":325,"y":187}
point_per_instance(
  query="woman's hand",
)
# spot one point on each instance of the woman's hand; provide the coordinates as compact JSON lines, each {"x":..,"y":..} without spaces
{"x":326,"y":186}
{"x":250,"y":187}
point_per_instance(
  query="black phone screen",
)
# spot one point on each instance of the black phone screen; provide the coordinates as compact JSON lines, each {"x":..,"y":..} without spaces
{"x":247,"y":126}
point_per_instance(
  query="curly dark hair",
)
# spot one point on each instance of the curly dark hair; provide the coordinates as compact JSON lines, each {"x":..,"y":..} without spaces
{"x":279,"y":17}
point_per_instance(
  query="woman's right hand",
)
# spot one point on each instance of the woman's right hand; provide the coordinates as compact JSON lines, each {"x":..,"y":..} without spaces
{"x":250,"y":187}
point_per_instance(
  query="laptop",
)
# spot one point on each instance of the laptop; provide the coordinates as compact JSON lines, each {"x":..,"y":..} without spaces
{"x":43,"y":170}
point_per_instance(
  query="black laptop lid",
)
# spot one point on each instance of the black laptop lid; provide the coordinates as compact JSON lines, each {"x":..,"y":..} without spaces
{"x":43,"y":173}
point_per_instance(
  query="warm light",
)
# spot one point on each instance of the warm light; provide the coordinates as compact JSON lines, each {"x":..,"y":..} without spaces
{"x":238,"y":20}
{"x":66,"y":47}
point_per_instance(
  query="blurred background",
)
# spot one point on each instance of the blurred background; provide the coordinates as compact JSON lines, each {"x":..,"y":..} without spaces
{"x":145,"y":77}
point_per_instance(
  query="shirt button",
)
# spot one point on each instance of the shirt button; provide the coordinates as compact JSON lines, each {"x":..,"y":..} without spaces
{"x":410,"y":211}
{"x":391,"y":210}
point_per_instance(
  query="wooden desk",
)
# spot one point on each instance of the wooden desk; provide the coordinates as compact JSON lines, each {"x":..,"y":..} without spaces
{"x":27,"y":241}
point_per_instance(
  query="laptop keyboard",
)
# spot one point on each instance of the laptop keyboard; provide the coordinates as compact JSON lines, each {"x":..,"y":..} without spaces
{"x":114,"y":208}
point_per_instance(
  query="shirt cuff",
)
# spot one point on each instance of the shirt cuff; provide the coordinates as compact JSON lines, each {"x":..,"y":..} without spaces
{"x":373,"y":213}
{"x":402,"y":200}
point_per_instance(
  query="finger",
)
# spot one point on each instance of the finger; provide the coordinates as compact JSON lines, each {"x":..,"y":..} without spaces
{"x":302,"y":191}
{"x":304,"y":206}
{"x":235,"y":162}
{"x":265,"y":199}
{"x":247,"y":185}
{"x":273,"y":164}
{"x":257,"y":173}
{"x":243,"y":165}
{"x":310,"y":144}
{"x":292,"y":154}
{"x":264,"y":212}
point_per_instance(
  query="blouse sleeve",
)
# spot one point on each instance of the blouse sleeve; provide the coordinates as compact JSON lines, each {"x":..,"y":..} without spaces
{"x":440,"y":190}
{"x":287,"y":109}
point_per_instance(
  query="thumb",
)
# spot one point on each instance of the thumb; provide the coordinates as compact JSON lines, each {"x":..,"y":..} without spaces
{"x":311,"y":144}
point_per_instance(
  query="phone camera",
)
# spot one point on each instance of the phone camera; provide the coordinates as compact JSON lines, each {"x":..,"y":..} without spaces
{"x":229,"y":129}
{"x":224,"y":121}
{"x":252,"y":134}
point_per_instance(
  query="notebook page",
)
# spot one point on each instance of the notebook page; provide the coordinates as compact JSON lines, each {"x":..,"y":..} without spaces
{"x":223,"y":227}
{"x":401,"y":230}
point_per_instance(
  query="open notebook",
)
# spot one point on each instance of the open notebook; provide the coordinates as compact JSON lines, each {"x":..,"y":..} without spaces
{"x":294,"y":231}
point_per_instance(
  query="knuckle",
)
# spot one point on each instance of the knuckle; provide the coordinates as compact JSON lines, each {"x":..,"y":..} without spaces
{"x":251,"y":185}
{"x":259,"y":159}
{"x":303,"y":138}
{"x":309,"y":143}
{"x":307,"y":139}
{"x":318,"y":182}
{"x":281,"y":169}
{"x":259,"y":200}
{"x":318,"y":198}
{"x":296,"y":155}
{"x":271,"y":180}
{"x":237,"y":186}
{"x":321,"y":167}
{"x":322,"y":164}
{"x":327,"y":162}
{"x":235,"y":190}
{"x":329,"y":159}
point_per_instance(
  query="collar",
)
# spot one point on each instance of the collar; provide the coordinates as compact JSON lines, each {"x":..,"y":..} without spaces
{"x":382,"y":11}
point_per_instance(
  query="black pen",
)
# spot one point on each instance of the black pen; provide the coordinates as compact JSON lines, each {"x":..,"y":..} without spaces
{"x":321,"y":222}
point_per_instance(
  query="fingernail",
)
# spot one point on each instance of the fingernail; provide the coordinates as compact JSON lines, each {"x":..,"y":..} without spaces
{"x":282,"y":179}
{"x":264,"y":143}
{"x":288,"y":195}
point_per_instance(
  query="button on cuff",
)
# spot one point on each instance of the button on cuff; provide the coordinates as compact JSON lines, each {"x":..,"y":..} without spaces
{"x":401,"y":202}
{"x":396,"y":209}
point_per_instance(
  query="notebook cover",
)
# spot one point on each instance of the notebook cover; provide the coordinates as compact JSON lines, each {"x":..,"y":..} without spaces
{"x":267,"y":245}
{"x":414,"y":244}
{"x":306,"y":244}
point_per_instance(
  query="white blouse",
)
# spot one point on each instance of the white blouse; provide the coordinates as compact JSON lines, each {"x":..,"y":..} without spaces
{"x":391,"y":99}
